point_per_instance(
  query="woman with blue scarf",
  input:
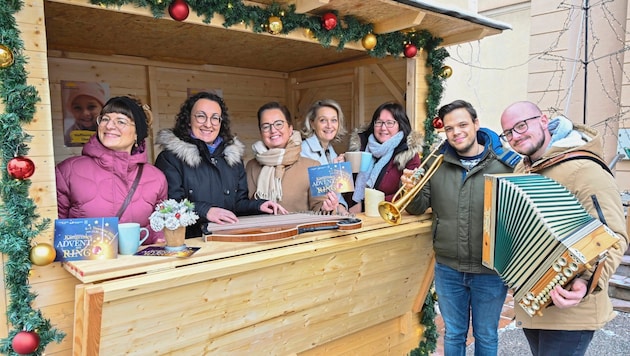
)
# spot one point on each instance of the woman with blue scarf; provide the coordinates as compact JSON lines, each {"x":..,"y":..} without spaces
{"x":203,"y":162}
{"x":394,"y":147}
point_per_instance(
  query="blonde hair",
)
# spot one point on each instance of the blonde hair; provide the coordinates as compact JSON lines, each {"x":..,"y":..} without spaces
{"x":311,"y":115}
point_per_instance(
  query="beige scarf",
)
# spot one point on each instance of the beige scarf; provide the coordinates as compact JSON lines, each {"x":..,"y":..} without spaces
{"x":273,"y":162}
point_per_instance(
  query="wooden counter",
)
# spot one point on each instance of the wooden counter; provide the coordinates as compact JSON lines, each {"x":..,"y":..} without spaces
{"x":328,"y":292}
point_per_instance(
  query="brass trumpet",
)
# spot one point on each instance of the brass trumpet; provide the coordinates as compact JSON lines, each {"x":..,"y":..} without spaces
{"x":391,"y":211}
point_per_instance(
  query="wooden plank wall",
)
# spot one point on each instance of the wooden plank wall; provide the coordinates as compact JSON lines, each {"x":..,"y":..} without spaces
{"x":359,"y":87}
{"x":164,"y":87}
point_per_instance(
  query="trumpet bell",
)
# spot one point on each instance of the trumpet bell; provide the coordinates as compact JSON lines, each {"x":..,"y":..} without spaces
{"x":389,"y":212}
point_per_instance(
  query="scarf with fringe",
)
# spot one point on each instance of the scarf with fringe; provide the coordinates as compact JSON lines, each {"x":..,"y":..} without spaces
{"x":273,"y":162}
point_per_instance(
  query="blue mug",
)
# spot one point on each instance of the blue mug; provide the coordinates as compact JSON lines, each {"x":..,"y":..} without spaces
{"x":129,"y":239}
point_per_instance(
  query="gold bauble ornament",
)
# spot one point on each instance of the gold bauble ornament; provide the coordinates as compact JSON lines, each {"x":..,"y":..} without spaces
{"x":6,"y":56}
{"x":308,"y":33}
{"x":369,"y":41}
{"x":446,"y":72}
{"x":42,"y":254}
{"x":275,"y":25}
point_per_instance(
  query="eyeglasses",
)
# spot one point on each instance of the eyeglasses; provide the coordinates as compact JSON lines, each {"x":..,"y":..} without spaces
{"x":120,"y":124}
{"x":278,"y":125}
{"x":202,"y":118}
{"x":520,"y":128}
{"x":388,"y":124}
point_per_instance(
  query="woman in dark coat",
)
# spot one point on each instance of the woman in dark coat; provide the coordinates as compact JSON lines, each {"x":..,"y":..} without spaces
{"x":203,"y":161}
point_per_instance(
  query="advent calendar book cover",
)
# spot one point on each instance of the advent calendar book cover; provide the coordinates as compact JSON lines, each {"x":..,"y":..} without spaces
{"x":86,"y":239}
{"x":335,"y":177}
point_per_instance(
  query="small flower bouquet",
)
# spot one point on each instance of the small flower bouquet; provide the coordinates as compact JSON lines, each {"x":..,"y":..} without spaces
{"x":172,"y":214}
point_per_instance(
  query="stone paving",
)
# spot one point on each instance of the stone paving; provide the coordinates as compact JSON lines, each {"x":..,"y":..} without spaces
{"x":613,"y":339}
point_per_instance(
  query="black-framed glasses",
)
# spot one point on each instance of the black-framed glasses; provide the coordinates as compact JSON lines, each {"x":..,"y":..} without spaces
{"x":520,"y":128}
{"x":202,"y":118}
{"x":389,"y":124}
{"x":120,"y":123}
{"x":278,"y":125}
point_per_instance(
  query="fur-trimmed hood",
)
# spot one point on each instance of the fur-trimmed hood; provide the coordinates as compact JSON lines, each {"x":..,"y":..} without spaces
{"x":189,"y":152}
{"x":403,"y":153}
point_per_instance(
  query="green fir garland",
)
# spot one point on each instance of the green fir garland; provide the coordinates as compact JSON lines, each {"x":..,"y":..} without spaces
{"x":19,"y":223}
{"x":428,"y":344}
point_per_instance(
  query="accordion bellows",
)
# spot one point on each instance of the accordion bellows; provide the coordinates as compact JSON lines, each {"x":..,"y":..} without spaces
{"x":537,"y":235}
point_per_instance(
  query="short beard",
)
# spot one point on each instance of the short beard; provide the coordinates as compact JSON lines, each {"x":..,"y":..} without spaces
{"x":468,"y":148}
{"x":537,"y":146}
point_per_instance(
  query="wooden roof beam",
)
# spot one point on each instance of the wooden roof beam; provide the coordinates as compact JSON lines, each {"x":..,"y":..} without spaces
{"x":304,"y":6}
{"x":410,"y":19}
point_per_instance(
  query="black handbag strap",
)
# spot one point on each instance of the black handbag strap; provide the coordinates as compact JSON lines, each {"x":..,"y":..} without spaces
{"x":131,"y":191}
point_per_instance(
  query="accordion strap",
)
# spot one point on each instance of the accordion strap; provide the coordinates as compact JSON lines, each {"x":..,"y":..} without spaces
{"x":571,"y":156}
{"x":592,"y":282}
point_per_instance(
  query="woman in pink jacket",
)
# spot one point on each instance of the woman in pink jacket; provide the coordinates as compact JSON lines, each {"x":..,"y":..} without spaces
{"x":97,"y":183}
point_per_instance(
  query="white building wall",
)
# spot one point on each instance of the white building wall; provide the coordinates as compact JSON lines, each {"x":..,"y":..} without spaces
{"x":492,"y":73}
{"x":533,"y":61}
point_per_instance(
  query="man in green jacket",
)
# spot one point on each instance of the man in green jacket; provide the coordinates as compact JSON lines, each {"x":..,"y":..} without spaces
{"x":567,"y":327}
{"x":455,"y":194}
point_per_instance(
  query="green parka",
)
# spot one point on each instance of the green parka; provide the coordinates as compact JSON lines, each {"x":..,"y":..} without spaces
{"x":456,"y":198}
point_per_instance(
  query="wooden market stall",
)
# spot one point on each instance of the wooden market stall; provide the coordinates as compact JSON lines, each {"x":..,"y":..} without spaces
{"x":365,"y":283}
{"x":328,"y":293}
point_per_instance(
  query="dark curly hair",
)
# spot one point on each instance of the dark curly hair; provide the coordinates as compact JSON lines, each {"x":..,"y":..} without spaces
{"x":182,"y":120}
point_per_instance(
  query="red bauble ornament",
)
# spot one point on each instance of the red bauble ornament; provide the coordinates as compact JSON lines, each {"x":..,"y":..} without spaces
{"x":410,"y":50}
{"x":20,"y":167}
{"x":329,"y":21}
{"x":25,"y":342}
{"x":437,"y":123}
{"x":178,"y":10}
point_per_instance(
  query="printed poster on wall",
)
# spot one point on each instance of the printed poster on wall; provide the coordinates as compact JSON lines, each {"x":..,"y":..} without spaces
{"x":82,"y":103}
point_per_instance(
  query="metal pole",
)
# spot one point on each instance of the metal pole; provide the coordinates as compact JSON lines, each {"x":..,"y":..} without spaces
{"x":586,"y":10}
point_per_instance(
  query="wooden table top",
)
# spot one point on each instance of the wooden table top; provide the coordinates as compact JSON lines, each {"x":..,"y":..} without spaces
{"x":127,"y":265}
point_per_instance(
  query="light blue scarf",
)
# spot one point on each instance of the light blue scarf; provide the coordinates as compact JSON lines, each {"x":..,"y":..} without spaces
{"x":383,"y":152}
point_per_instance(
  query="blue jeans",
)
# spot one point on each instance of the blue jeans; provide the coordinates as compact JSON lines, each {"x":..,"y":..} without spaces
{"x":558,"y":342}
{"x":460,"y":294}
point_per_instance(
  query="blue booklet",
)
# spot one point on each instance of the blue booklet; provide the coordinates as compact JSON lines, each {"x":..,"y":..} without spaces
{"x":335,"y":177}
{"x":86,"y":239}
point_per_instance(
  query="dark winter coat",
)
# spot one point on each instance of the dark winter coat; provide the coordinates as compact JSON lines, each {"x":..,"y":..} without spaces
{"x":206,"y":179}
